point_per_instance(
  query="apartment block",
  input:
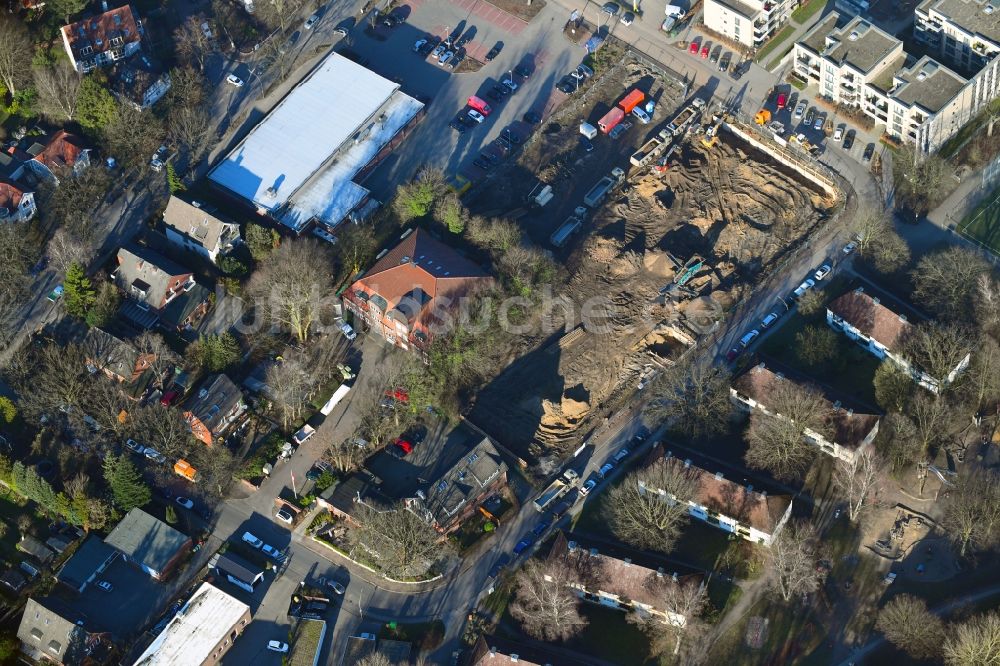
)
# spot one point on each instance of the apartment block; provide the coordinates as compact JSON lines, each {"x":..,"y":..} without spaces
{"x":749,"y":22}
{"x":919,"y":101}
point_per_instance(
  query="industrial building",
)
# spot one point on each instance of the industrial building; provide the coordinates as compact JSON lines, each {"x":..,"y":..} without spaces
{"x":303,"y":164}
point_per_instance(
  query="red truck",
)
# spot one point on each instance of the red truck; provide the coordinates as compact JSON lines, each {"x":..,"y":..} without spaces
{"x":632,"y":100}
{"x":479,"y":105}
{"x":610,"y":119}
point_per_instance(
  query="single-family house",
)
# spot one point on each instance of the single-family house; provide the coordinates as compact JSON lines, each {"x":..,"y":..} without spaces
{"x":880,"y":326}
{"x":623,"y":583}
{"x":138,"y":82}
{"x":48,"y":157}
{"x":118,"y":360}
{"x":456,"y":494}
{"x":32,"y":546}
{"x":51,"y":633}
{"x":499,"y":651}
{"x":216,"y":406}
{"x":342,"y":498}
{"x":407,"y":295}
{"x":13,"y":580}
{"x":17,"y":202}
{"x":192,"y":227}
{"x":848,"y":428}
{"x":103,"y":39}
{"x":158,"y":291}
{"x":749,"y":512}
{"x":148,"y":543}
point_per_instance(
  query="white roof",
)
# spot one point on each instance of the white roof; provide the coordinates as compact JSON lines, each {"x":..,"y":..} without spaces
{"x":340,"y":103}
{"x":194,"y":632}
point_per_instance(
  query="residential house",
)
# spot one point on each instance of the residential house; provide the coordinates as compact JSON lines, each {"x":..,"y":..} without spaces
{"x":751,"y":513}
{"x":453,"y":497}
{"x":47,"y":157}
{"x":749,"y":22}
{"x":919,"y":100}
{"x":621,"y":582}
{"x":847,"y":428}
{"x":342,"y":498}
{"x":190,"y":226}
{"x":32,"y":546}
{"x":965,"y":35}
{"x":17,"y":202}
{"x":880,"y":327}
{"x":159,"y":291}
{"x":239,"y":572}
{"x":13,"y":580}
{"x":119,"y":360}
{"x":406,"y":296}
{"x":201,"y":632}
{"x":148,"y":543}
{"x":499,"y":651}
{"x":103,"y":39}
{"x":91,"y":559}
{"x":216,"y":406}
{"x":138,"y":82}
{"x":51,"y":633}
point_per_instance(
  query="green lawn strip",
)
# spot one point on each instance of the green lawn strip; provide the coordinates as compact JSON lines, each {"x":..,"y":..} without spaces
{"x":983,"y":223}
{"x":771,"y":66}
{"x":774,"y":43}
{"x":807,"y":10}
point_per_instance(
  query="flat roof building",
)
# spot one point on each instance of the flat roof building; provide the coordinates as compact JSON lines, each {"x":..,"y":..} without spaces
{"x":201,"y":633}
{"x":90,"y":559}
{"x":302,"y":163}
{"x":749,"y":22}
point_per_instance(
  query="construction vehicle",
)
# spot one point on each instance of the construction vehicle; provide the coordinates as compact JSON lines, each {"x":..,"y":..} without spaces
{"x":688,"y":270}
{"x":569,"y":227}
{"x":712,"y":133}
{"x":597,"y":193}
{"x":663,"y":163}
{"x":763,"y":117}
{"x":650,"y":149}
{"x":556,"y":489}
{"x":685,"y":117}
{"x":540,"y":195}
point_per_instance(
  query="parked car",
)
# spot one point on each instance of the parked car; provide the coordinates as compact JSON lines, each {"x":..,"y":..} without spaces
{"x":366,"y":636}
{"x":336,"y":587}
{"x":769,"y":319}
{"x":523,"y":71}
{"x":810,"y":115}
{"x":733,"y":354}
{"x":311,"y":21}
{"x":627,"y":18}
{"x":493,"y":52}
{"x":804,"y":287}
{"x":285,"y":516}
{"x":716,"y":53}
{"x":748,"y":338}
{"x":523,"y":545}
{"x":277,"y":646}
{"x":822,"y":272}
{"x":439,"y":51}
{"x":476,"y":116}
{"x":782,"y":100}
{"x":540,"y":528}
{"x":348,"y":332}
{"x":705,"y":51}
{"x":869,"y":152}
{"x":693,"y":49}
{"x":155,"y":456}
{"x":611,"y":8}
{"x":134,"y":446}
{"x":185,"y":502}
{"x":252,"y":540}
{"x":800,"y":110}
{"x":532,"y":118}
{"x":235,"y":80}
{"x":510,"y":83}
{"x":273,"y":553}
{"x":818,"y":125}
{"x":849,"y":139}
{"x":589,"y":485}
{"x":501,"y":562}
{"x":443,"y":60}
{"x":457,"y":125}
{"x":419,"y":44}
{"x":605,"y":469}
{"x":105,"y":585}
{"x":838,"y":133}
{"x":621,"y":455}
{"x":850,"y":247}
{"x":725,"y":61}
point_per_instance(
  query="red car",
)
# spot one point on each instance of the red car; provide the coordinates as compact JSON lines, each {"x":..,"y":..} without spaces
{"x":401,"y":448}
{"x":694,"y":48}
{"x":399,"y":394}
{"x":704,"y":51}
{"x":732,"y":354}
{"x":168,"y":398}
{"x":781,"y":101}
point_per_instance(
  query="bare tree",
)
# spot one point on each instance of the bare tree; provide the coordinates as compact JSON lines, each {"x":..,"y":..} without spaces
{"x":933,"y":418}
{"x":192,"y":44}
{"x":375,"y":659}
{"x":290,"y":284}
{"x":694,"y":398}
{"x":909,"y":626}
{"x":59,"y":382}
{"x":15,"y":43}
{"x":988,"y":303}
{"x":894,"y":388}
{"x":648,"y":509}
{"x":291,"y":383}
{"x":981,"y":382}
{"x":869,"y":225}
{"x":58,"y":87}
{"x":859,"y":481}
{"x":791,"y":562}
{"x":937,"y":348}
{"x":546,"y":605}
{"x":67,"y":247}
{"x":191,"y":128}
{"x":133,"y":136}
{"x":401,"y":542}
{"x":105,"y":402}
{"x":898,"y":441}
{"x":72,"y":201}
{"x":275,"y":13}
{"x":684,"y":602}
{"x":162,"y":429}
{"x":17,"y":253}
{"x":776,"y":439}
{"x":162,"y":359}
{"x":344,"y":454}
{"x":974,"y":642}
{"x":972,"y":515}
{"x":187,"y":89}
{"x":946,"y":282}
{"x":216,"y":467}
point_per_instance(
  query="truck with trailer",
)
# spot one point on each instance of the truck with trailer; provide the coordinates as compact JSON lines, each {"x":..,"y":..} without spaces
{"x":569,"y":227}
{"x":556,"y":489}
{"x":650,"y":149}
{"x":686,"y":115}
{"x":596,"y":195}
{"x":610,"y":119}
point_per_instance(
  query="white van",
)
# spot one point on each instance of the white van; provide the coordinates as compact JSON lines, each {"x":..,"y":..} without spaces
{"x":252,"y":540}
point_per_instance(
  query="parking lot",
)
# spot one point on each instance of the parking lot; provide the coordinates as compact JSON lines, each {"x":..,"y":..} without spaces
{"x":132,"y":589}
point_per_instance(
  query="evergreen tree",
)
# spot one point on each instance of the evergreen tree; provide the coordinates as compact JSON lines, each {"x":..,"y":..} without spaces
{"x":128,"y":490}
{"x":79,"y":295}
{"x":105,"y":305}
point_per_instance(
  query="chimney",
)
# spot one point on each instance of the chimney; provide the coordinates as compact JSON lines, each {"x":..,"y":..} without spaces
{"x":850,"y":412}
{"x":627,"y":561}
{"x":493,"y":651}
{"x":513,"y":657}
{"x":749,"y":488}
{"x":836,"y":405}
{"x":718,"y":476}
{"x":674,"y":576}
{"x":687,"y":463}
{"x":763,"y":494}
{"x":571,"y":546}
{"x":104,"y":5}
{"x":875,"y":300}
{"x":859,"y":290}
{"x":902,"y":318}
{"x":660,"y":572}
{"x":593,"y":552}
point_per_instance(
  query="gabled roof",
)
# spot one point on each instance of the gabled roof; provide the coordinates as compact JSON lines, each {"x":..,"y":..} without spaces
{"x":10,"y":195}
{"x":109,"y":352}
{"x":408,"y":279}
{"x":193,"y":221}
{"x":183,"y":305}
{"x":62,"y":150}
{"x":214,"y":400}
{"x":463,"y":483}
{"x":343,"y":495}
{"x":146,"y":540}
{"x":45,"y":627}
{"x":872,"y":317}
{"x":99,"y":33}
{"x":147,"y":270}
{"x":849,"y":423}
{"x":35,"y":548}
{"x":499,"y":651}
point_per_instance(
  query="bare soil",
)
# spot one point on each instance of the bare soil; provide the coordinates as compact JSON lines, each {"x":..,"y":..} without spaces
{"x":731,"y":205}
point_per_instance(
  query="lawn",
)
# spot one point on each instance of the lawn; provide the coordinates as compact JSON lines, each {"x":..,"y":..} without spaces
{"x":774,"y":43}
{"x":983,"y":224}
{"x":792,"y":632}
{"x":807,"y":10}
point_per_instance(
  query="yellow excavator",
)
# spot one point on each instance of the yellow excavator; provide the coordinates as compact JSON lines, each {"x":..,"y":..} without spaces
{"x":712,"y":133}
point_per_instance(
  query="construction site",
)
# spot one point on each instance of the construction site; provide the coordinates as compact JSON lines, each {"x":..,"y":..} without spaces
{"x":661,"y":225}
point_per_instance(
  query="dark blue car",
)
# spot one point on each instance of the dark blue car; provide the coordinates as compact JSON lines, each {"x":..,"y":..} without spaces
{"x":540,"y":528}
{"x":524,"y":544}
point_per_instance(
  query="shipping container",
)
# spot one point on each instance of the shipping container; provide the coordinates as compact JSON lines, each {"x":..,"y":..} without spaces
{"x":632,"y":100}
{"x":610,"y":119}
